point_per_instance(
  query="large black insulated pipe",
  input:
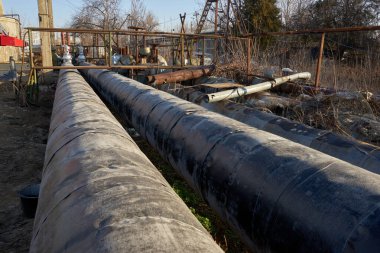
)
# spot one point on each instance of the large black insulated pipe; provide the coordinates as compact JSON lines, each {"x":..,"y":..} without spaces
{"x":280,"y":196}
{"x":347,"y":149}
{"x":99,"y":192}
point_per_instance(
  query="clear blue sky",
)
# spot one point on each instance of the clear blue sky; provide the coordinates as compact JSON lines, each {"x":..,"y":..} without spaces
{"x":167,"y":11}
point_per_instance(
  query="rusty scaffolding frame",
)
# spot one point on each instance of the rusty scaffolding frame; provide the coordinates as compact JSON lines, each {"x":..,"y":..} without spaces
{"x":126,"y":32}
{"x":248,"y":38}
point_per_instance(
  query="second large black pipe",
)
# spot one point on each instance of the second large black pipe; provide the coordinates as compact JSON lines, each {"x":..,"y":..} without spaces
{"x":347,"y":149}
{"x":278,"y":195}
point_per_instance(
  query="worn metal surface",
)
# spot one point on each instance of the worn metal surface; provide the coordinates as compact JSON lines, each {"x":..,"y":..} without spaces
{"x":277,"y":194}
{"x":99,"y":192}
{"x":347,"y":149}
{"x":238,"y":92}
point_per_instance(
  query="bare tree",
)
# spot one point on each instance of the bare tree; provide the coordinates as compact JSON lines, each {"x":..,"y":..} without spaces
{"x":108,"y":15}
{"x":293,"y":12}
{"x":100,"y":14}
{"x":139,"y":16}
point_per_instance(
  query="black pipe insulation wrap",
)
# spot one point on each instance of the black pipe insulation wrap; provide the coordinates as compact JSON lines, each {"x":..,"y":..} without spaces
{"x":99,"y":192}
{"x":347,"y":149}
{"x":279,"y":196}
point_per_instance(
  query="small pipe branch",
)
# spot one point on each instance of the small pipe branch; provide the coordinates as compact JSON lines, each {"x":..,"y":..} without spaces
{"x":239,"y":92}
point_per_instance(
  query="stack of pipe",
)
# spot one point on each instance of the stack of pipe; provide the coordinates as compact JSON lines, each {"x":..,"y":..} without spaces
{"x":99,"y":192}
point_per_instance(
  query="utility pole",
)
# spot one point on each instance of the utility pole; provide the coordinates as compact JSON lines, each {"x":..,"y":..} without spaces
{"x":51,"y":20}
{"x":44,"y":21}
{"x":1,"y":8}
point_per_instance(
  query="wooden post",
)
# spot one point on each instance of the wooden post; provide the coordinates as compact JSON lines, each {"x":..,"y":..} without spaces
{"x":1,"y":8}
{"x":320,"y":59}
{"x":45,"y":36}
{"x":51,"y":20}
{"x":31,"y":63}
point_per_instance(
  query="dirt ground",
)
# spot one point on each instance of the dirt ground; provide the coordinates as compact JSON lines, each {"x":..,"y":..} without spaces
{"x":23,"y":137}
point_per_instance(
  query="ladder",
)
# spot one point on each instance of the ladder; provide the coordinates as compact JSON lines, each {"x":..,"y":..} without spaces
{"x":203,"y":17}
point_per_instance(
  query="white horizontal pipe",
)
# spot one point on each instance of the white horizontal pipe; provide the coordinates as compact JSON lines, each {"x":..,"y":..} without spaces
{"x":238,"y":92}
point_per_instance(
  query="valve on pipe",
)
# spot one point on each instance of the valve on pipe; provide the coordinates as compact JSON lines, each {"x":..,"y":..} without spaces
{"x":99,"y":192}
{"x":278,"y":195}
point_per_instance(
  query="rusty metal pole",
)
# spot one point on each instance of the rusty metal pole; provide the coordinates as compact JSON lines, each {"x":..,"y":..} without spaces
{"x":182,"y":38}
{"x":182,"y":51}
{"x":63,"y":38}
{"x":203,"y":50}
{"x":68,"y":39}
{"x":320,"y":58}
{"x":249,"y":51}
{"x":117,"y":42}
{"x":110,"y":49}
{"x":216,"y":31}
{"x":137,"y":48}
{"x":93,"y":46}
{"x":227,"y":30}
{"x":97,"y":46}
{"x":105,"y":49}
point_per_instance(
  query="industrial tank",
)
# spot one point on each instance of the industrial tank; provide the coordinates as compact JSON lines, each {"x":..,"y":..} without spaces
{"x":12,"y":27}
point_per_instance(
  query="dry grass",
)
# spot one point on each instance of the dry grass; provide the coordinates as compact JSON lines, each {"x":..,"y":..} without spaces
{"x":354,"y":113}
